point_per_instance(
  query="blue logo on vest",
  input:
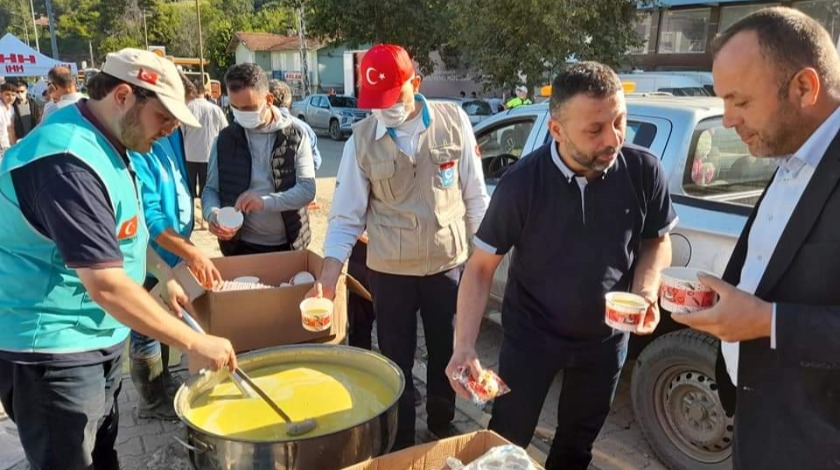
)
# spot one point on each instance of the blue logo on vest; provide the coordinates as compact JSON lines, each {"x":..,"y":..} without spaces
{"x":447,"y":174}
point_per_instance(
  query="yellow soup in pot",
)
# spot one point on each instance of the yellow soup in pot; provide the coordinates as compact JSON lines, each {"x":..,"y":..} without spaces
{"x":337,"y":397}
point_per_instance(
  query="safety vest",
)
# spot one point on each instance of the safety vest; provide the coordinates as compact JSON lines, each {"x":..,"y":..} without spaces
{"x":44,"y":306}
{"x":416,"y":219}
{"x":517,"y":101}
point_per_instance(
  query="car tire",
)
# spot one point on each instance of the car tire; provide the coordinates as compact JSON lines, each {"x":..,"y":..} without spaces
{"x":675,"y":400}
{"x":335,"y":130}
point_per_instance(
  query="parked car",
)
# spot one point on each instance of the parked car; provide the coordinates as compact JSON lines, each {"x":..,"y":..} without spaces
{"x":676,"y":83}
{"x":714,"y":183}
{"x":477,"y":109}
{"x":331,"y":114}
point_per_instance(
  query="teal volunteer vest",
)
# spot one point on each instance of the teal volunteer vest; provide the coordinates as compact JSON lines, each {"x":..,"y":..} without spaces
{"x":43,"y":305}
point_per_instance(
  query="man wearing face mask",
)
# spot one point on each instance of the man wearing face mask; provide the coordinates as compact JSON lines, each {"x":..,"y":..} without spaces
{"x":410,"y":174}
{"x":27,"y":113}
{"x":262,"y":165}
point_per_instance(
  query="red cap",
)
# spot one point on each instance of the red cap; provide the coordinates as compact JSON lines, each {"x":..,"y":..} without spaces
{"x":384,"y":70}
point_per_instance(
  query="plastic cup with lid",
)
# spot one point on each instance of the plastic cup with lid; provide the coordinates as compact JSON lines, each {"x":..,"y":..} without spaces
{"x":229,"y":218}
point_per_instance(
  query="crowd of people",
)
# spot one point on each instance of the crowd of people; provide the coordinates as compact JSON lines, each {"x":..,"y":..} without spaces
{"x":97,"y":207}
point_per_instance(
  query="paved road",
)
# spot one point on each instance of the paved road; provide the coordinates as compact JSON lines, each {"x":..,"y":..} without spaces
{"x":145,"y":444}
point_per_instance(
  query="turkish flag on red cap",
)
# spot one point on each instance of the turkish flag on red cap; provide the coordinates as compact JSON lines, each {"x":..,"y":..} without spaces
{"x":384,"y":70}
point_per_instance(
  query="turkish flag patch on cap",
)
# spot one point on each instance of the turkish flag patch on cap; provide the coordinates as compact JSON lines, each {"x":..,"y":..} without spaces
{"x":147,"y":76}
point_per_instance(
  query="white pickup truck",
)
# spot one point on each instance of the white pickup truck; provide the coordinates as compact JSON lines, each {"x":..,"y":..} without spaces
{"x":714,"y":183}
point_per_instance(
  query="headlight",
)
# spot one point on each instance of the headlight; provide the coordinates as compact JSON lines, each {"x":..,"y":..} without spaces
{"x":346,"y":113}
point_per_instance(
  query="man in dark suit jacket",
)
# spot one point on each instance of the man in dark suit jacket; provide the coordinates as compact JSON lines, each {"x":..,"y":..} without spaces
{"x":779,"y":309}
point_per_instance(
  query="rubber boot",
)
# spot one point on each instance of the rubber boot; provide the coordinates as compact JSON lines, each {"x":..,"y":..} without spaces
{"x":149,"y":381}
{"x":171,"y":383}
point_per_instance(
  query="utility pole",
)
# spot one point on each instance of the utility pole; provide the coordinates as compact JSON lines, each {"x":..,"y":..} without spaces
{"x":90,"y":49}
{"x":145,"y":30}
{"x":200,"y":47}
{"x":26,"y":33}
{"x":304,"y":52}
{"x":34,"y":26}
{"x":52,"y":30}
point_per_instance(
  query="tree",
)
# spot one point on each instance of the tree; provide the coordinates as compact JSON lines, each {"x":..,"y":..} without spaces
{"x":421,"y":26}
{"x":531,"y":40}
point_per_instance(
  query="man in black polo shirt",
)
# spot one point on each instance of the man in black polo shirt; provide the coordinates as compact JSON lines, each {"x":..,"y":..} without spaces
{"x":587,"y":215}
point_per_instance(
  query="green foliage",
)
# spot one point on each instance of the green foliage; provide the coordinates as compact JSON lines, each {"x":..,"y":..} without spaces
{"x":503,"y":41}
{"x":534,"y":39}
{"x":110,"y":25}
{"x":421,"y":26}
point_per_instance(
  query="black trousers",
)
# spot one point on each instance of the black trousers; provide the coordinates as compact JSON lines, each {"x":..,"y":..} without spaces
{"x":396,"y":300}
{"x":360,"y":310}
{"x":197,"y":177}
{"x":590,"y":377}
{"x":239,"y":247}
{"x":67,"y":417}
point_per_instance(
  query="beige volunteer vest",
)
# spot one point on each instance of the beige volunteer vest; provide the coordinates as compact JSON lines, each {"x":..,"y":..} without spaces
{"x":415,"y":218}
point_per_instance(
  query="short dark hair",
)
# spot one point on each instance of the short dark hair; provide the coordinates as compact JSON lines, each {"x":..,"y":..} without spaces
{"x":593,"y":79}
{"x":246,"y":75}
{"x":23,"y":83}
{"x":791,"y":41}
{"x":8,"y":86}
{"x":61,"y":76}
{"x":282,"y":93}
{"x":101,"y":84}
{"x":190,"y":89}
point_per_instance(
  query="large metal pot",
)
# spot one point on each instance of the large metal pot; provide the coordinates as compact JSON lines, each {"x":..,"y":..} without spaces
{"x":356,"y":443}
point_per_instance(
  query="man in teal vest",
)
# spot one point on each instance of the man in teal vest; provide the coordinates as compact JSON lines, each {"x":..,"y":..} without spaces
{"x":72,"y":259}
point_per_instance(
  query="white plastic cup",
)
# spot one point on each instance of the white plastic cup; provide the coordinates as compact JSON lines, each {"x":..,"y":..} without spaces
{"x":230,"y":218}
{"x":625,"y":311}
{"x":316,"y":313}
{"x":303,"y":277}
{"x":682,"y":292}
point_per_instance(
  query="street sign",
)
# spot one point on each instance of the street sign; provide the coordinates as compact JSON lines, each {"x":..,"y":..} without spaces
{"x":293,"y":76}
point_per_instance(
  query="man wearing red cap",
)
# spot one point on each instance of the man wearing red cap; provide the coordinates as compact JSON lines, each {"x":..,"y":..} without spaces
{"x":410,"y":175}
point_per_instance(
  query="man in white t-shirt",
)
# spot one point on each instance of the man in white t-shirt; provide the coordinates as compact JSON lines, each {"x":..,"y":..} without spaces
{"x":62,"y":83}
{"x":198,"y":141}
{"x":7,"y":131}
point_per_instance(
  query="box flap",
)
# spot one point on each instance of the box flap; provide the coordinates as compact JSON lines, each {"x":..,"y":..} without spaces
{"x":433,"y":455}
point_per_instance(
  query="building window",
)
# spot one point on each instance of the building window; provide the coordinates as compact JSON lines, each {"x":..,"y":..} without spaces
{"x":730,"y":14}
{"x":643,"y":27}
{"x":684,"y":31}
{"x":827,"y":12}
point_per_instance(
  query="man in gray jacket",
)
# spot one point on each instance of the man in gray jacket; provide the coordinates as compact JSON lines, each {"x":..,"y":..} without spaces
{"x":262,"y":166}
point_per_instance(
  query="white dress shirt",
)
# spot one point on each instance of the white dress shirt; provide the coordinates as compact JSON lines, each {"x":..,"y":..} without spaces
{"x":773,"y":216}
{"x":352,"y":189}
{"x":6,"y":119}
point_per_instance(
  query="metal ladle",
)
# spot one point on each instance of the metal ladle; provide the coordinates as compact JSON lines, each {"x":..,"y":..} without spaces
{"x":248,"y":388}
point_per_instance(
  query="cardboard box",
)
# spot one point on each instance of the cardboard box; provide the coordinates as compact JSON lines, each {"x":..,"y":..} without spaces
{"x":261,"y":318}
{"x":433,"y":455}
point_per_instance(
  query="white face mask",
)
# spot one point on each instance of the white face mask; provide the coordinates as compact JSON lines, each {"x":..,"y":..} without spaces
{"x":394,"y":116}
{"x":249,"y":119}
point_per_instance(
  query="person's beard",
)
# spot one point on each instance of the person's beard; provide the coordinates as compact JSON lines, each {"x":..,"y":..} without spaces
{"x":784,"y":137}
{"x":131,"y":131}
{"x":590,"y":161}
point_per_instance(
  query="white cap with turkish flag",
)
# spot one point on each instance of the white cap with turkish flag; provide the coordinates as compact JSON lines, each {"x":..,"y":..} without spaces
{"x":147,"y":70}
